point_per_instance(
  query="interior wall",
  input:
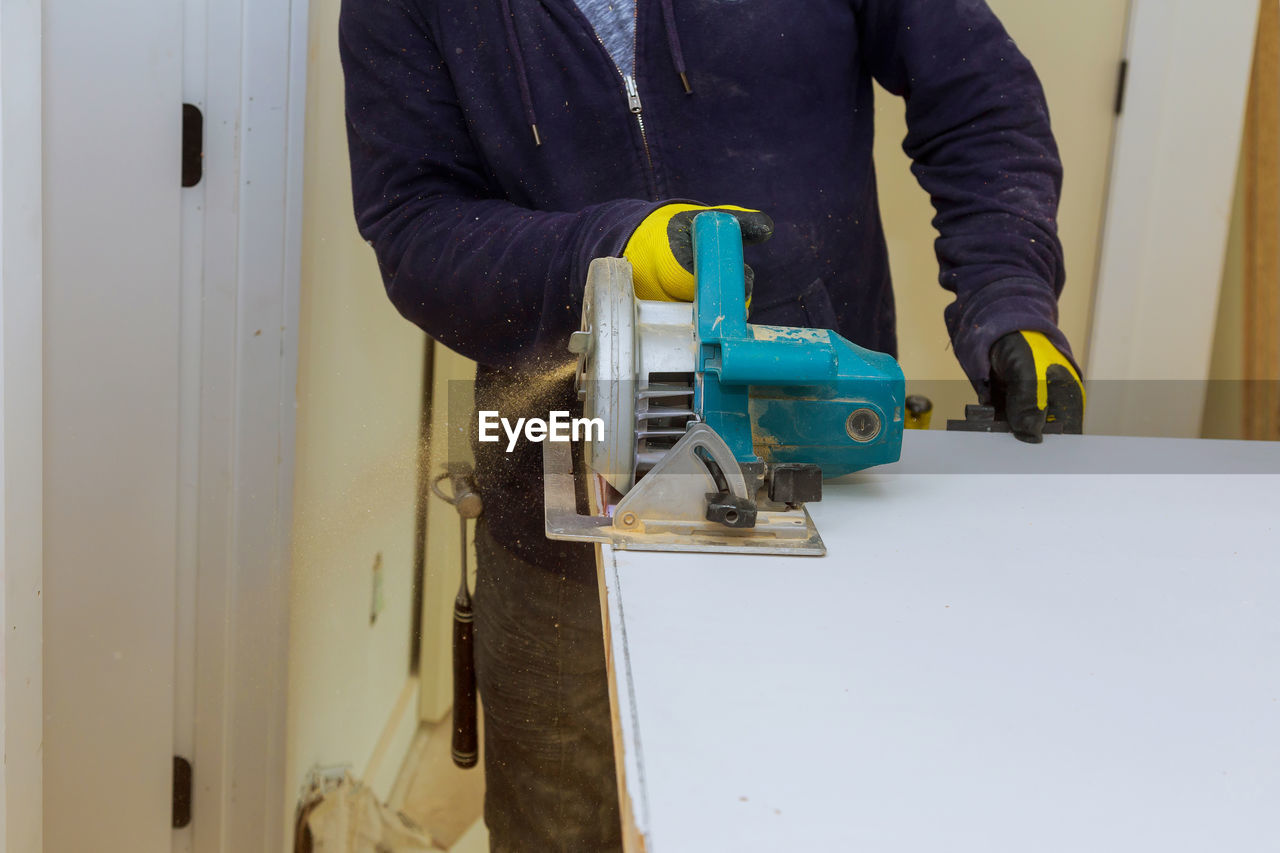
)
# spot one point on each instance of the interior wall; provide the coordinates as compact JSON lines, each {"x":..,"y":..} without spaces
{"x":1076,"y":49}
{"x":452,"y":404}
{"x":1224,"y":401}
{"x":359,"y":392}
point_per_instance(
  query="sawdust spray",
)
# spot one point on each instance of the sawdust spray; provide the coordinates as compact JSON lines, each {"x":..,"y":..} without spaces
{"x":359,"y":499}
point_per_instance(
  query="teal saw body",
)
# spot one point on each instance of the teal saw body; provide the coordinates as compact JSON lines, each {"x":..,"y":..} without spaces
{"x":779,"y":394}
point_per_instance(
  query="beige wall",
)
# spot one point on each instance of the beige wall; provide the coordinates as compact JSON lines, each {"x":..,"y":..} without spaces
{"x":451,"y":410}
{"x":1076,"y":48}
{"x":359,"y":385}
{"x":1224,"y":402}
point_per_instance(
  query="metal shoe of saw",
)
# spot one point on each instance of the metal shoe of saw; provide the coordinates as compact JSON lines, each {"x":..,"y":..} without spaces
{"x":717,"y":432}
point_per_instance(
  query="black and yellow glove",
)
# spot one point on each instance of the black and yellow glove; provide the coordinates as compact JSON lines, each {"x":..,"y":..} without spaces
{"x":661,"y":249}
{"x":1033,"y":383}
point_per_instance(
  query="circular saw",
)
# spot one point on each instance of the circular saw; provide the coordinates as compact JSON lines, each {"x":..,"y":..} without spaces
{"x":716,"y":432}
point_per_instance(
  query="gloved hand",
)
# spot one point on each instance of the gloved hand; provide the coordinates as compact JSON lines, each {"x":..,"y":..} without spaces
{"x":1032,"y":382}
{"x":661,"y":249}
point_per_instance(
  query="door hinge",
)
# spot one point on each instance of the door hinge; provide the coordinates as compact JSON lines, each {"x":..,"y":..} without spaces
{"x":181,"y":792}
{"x":192,"y":145}
{"x":1122,"y":83}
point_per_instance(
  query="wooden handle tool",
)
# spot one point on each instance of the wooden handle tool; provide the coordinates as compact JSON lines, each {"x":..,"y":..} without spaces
{"x":467,"y":502}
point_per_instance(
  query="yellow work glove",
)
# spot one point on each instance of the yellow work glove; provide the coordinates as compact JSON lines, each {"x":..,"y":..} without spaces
{"x":1034,"y":383}
{"x":661,"y":249}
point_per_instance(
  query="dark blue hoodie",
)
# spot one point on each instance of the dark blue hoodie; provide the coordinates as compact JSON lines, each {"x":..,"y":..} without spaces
{"x":495,"y":153}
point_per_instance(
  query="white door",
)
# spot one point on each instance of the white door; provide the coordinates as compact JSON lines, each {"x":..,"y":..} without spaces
{"x":170,"y":362}
{"x":112,"y":149}
{"x":21,"y":421}
{"x":1173,"y":180}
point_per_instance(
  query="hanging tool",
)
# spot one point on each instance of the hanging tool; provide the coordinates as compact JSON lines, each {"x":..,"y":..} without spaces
{"x":717,"y":432}
{"x":466,"y":500}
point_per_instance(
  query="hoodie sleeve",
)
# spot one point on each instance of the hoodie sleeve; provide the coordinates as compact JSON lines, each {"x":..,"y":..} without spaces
{"x":491,"y":280}
{"x":981,"y":146}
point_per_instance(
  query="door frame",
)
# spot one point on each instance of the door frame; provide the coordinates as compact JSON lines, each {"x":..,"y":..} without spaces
{"x":245,"y":64}
{"x":246,"y":68}
{"x":21,"y":427}
{"x":1173,"y":178}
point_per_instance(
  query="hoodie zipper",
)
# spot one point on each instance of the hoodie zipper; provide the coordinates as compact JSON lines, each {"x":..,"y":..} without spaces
{"x":633,"y":101}
{"x":633,"y":93}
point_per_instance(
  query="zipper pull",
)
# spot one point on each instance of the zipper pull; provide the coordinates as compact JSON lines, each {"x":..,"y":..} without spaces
{"x":633,"y":94}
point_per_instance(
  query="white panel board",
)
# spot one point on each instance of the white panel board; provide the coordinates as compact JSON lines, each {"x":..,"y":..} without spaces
{"x":1164,"y":241}
{"x":1022,"y":660}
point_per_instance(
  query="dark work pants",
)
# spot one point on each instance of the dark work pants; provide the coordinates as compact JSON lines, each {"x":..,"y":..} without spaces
{"x":548,"y":762}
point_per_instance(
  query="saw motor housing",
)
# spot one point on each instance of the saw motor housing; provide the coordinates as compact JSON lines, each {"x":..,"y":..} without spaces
{"x":717,"y":431}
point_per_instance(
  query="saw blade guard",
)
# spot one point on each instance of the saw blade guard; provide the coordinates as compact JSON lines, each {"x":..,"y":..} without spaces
{"x":635,"y":372}
{"x":606,"y":346}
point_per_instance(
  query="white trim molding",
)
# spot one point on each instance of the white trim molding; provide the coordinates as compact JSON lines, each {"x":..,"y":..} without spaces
{"x":251,"y":88}
{"x":21,"y":427}
{"x":1164,"y":240}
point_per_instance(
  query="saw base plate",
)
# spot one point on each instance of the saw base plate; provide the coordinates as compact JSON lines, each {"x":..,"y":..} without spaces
{"x":776,"y":532}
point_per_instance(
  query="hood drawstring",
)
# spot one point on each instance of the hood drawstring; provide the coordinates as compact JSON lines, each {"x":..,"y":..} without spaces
{"x":522,"y":75}
{"x":673,"y":41}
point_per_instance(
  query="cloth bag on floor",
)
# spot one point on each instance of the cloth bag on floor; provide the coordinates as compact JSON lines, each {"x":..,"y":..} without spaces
{"x":348,"y":818}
